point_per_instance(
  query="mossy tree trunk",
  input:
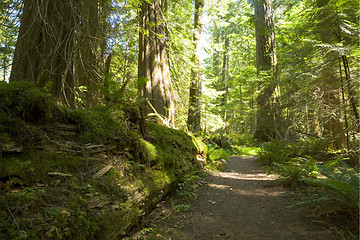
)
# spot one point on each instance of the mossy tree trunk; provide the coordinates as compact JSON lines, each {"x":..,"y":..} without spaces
{"x":153,"y":68}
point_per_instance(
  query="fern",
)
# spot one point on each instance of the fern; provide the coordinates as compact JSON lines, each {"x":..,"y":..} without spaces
{"x":274,"y":152}
{"x":343,"y":187}
{"x":296,"y":169}
{"x":217,"y":157}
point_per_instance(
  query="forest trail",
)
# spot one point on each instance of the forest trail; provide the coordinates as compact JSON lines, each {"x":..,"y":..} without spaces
{"x":238,"y":203}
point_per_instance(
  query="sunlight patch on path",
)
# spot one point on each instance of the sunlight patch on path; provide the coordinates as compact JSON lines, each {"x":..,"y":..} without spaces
{"x":240,"y":176}
{"x":218,"y":186}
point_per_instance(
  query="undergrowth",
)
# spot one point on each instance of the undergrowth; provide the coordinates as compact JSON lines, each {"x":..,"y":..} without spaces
{"x":54,"y":194}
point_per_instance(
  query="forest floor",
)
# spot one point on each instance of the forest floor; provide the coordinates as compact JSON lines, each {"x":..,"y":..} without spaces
{"x":240,"y":202}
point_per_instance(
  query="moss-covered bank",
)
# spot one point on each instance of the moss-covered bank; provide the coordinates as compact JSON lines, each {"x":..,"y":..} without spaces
{"x":81,"y":174}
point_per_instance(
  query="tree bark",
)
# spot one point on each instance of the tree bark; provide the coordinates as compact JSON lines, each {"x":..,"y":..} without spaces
{"x":194,"y":111}
{"x":265,"y":36}
{"x":88,"y":70}
{"x":266,"y":63}
{"x":153,"y":68}
{"x":44,"y":48}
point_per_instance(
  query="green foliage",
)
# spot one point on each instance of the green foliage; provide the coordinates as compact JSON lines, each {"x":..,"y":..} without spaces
{"x":9,"y":10}
{"x":217,"y":157}
{"x":277,"y":151}
{"x":336,"y":184}
{"x":295,"y":170}
{"x":246,"y":151}
{"x":342,"y":186}
{"x":280,"y":151}
{"x":187,"y":187}
{"x":311,"y":146}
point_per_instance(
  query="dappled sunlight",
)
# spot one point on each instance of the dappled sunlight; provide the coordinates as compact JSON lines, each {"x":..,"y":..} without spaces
{"x":262,"y":192}
{"x":241,"y":176}
{"x":218,"y":186}
{"x":246,"y":192}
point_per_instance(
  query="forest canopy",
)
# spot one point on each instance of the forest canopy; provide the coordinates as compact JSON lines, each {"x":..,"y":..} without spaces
{"x":257,"y":70}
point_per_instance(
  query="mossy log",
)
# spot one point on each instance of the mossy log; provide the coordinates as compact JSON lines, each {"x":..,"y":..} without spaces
{"x":98,"y":190}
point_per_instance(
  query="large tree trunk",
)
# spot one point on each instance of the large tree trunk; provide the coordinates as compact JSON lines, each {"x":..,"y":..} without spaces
{"x":194,"y":111}
{"x":153,"y":69}
{"x":266,"y":62}
{"x":265,"y":36}
{"x":44,"y":49}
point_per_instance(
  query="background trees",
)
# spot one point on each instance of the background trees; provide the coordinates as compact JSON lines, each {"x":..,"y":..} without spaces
{"x":305,"y":84}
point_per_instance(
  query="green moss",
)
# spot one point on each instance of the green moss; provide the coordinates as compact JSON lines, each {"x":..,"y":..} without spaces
{"x":160,"y":179}
{"x":200,"y":145}
{"x":97,"y":124}
{"x":37,"y":205}
{"x":174,"y":147}
{"x":149,"y":152}
{"x":33,"y":166}
{"x":24,"y":100}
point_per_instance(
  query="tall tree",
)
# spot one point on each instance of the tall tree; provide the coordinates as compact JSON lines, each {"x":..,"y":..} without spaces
{"x":153,"y":67}
{"x":194,"y":111}
{"x":266,"y":63}
{"x":45,"y":47}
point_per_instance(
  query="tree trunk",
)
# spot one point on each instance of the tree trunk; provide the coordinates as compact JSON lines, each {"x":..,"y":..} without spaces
{"x":265,"y":36}
{"x":344,"y":106}
{"x":352,"y":96}
{"x":194,"y":111}
{"x":153,"y":69}
{"x":44,"y":48}
{"x":266,"y":62}
{"x":224,"y":74}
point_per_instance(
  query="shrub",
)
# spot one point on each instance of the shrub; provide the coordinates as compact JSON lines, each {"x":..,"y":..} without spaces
{"x":246,"y":151}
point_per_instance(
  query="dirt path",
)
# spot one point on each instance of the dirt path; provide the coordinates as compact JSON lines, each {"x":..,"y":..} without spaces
{"x":238,"y":203}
